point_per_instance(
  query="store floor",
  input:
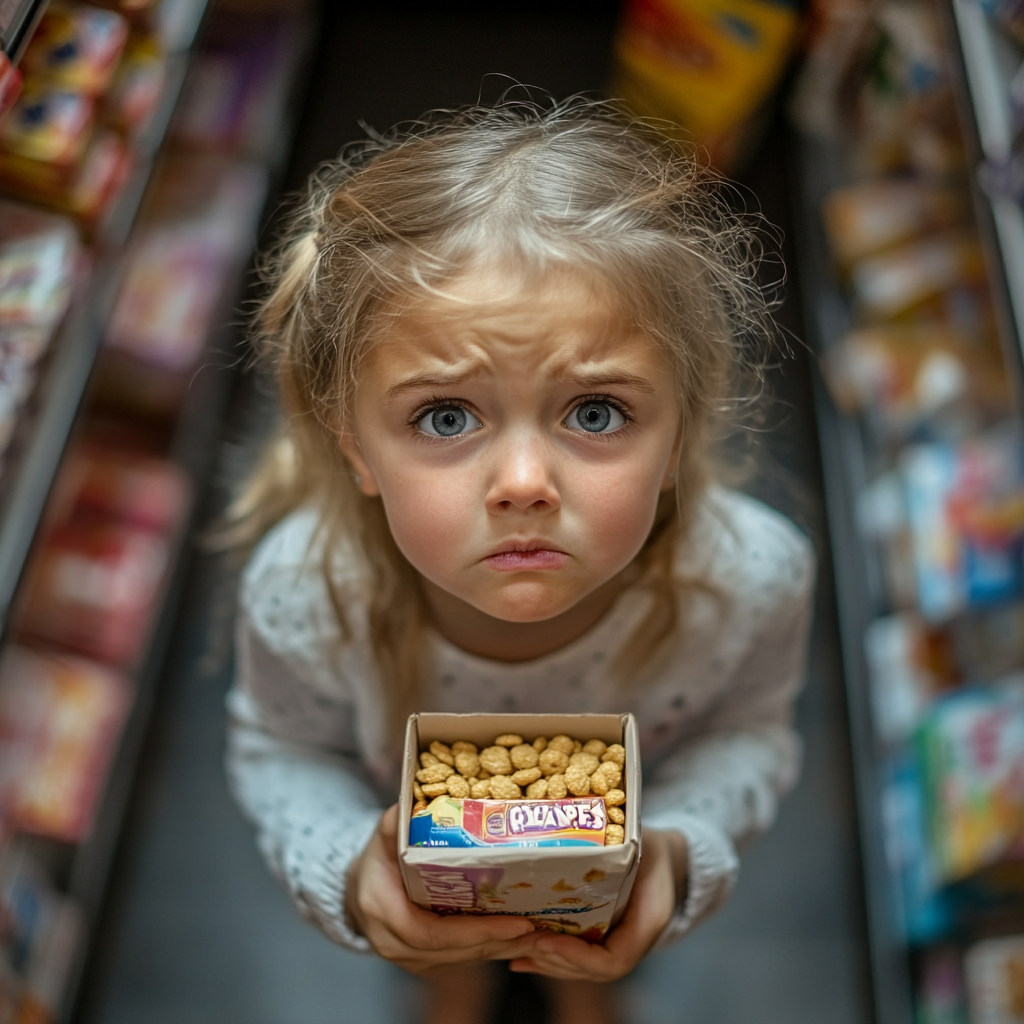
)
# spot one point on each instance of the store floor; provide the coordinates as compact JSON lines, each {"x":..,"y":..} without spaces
{"x":197,"y":931}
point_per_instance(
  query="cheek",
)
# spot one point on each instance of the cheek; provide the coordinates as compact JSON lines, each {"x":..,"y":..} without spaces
{"x":617,"y":506}
{"x":425,"y":511}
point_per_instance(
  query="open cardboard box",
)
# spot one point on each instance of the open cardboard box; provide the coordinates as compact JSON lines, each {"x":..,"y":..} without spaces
{"x":577,"y":890}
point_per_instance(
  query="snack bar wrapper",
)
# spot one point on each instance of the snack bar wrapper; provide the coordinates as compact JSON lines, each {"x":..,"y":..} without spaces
{"x":447,"y":821}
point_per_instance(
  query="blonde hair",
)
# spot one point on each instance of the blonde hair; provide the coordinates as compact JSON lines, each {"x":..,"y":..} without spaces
{"x":577,"y":184}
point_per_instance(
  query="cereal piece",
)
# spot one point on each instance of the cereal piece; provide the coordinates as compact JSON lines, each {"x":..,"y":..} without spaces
{"x":442,"y":752}
{"x":433,"y":789}
{"x":617,"y":753}
{"x":480,"y":790}
{"x":417,"y":790}
{"x":586,"y":761}
{"x":552,"y":760}
{"x":576,"y":746}
{"x":539,"y":744}
{"x":503,"y":788}
{"x":577,"y":780}
{"x":435,"y":773}
{"x":561,"y":742}
{"x":508,"y":739}
{"x":595,"y":747}
{"x":483,"y":774}
{"x":462,"y":747}
{"x":612,"y":772}
{"x":427,"y":759}
{"x":617,"y":815}
{"x":525,"y":776}
{"x":524,"y":756}
{"x":537,"y":790}
{"x":466,"y":763}
{"x":457,"y":786}
{"x":614,"y":835}
{"x":614,"y":797}
{"x":599,"y":783}
{"x":420,"y":805}
{"x":496,"y":760}
{"x":557,"y":789}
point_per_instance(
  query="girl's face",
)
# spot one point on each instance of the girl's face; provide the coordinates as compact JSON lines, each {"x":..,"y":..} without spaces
{"x":518,"y":434}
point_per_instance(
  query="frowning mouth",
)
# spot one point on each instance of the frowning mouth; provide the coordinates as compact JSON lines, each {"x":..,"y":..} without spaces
{"x":529,"y":555}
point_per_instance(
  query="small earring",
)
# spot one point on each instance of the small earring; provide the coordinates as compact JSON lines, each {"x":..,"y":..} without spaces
{"x":358,"y":479}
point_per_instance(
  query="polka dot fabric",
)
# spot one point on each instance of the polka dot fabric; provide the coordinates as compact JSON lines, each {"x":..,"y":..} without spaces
{"x":714,"y":712}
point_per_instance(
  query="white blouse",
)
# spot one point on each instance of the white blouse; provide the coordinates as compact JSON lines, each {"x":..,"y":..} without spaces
{"x":308,"y":764}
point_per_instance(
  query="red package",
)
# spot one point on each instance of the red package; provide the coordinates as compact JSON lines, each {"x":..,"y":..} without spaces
{"x":92,"y":588}
{"x":59,"y":722}
{"x":148,"y":492}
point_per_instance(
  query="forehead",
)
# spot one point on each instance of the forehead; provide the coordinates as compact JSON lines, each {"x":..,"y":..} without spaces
{"x":493,"y":317}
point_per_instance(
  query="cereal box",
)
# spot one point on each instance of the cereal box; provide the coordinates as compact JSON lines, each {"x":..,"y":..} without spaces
{"x":542,"y":859}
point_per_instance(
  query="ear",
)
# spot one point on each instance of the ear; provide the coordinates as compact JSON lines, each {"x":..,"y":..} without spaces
{"x":365,"y":480}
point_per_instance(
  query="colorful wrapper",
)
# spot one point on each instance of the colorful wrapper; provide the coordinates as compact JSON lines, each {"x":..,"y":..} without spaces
{"x":448,"y":821}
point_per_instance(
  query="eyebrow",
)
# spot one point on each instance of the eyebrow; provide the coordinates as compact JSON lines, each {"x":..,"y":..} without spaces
{"x":600,"y":379}
{"x":425,"y":380}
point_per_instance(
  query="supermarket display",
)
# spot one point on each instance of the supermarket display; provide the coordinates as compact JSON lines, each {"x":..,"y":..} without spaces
{"x":136,"y":314}
{"x":924,"y":458}
{"x":706,"y":65}
{"x":39,"y":260}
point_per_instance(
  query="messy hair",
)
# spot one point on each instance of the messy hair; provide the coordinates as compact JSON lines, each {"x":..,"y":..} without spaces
{"x":576,"y":184}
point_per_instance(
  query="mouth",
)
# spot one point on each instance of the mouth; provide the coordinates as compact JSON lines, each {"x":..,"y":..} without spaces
{"x":528,"y":555}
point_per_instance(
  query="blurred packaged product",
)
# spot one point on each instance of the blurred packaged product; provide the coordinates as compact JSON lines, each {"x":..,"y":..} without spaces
{"x":197,"y":231}
{"x":875,"y":215}
{"x":707,"y":65}
{"x":50,"y":154}
{"x":910,"y":664}
{"x":49,"y":125}
{"x":995,"y":980}
{"x":965,"y":505}
{"x":131,"y":487}
{"x":39,"y":260}
{"x":234,"y":99}
{"x":138,"y":87}
{"x":972,"y":751}
{"x":92,"y":588}
{"x":10,"y":83}
{"x":40,"y":938}
{"x":919,"y":381}
{"x":76,"y":47}
{"x":901,"y":281}
{"x":60,"y":717}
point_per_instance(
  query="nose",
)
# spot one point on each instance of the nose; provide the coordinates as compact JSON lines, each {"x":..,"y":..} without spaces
{"x":523,"y":478}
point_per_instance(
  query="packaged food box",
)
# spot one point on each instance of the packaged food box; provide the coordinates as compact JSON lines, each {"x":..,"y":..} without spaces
{"x":995,"y":980}
{"x":534,"y":858}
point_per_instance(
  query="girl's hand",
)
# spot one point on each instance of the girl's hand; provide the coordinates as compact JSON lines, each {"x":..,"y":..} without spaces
{"x":651,"y":904}
{"x":416,"y":939}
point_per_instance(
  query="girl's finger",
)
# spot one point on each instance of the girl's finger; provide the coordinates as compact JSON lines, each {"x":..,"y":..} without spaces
{"x":528,"y":965}
{"x":427,"y":931}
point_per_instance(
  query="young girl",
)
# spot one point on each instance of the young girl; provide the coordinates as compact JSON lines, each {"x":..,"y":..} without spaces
{"x":505,"y":342}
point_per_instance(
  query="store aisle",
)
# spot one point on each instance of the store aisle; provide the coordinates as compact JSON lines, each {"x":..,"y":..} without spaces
{"x":198,"y":932}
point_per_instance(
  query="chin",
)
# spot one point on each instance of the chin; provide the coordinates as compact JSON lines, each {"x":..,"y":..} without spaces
{"x":527,"y":607}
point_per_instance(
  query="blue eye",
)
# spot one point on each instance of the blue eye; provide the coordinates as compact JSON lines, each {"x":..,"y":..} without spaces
{"x":597,"y":417}
{"x":448,"y":421}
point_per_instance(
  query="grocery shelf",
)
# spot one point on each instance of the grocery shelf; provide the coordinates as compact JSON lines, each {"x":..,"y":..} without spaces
{"x":45,"y":423}
{"x":17,"y":27}
{"x":984,"y":62}
{"x":859,"y":592}
{"x":85,"y":869}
